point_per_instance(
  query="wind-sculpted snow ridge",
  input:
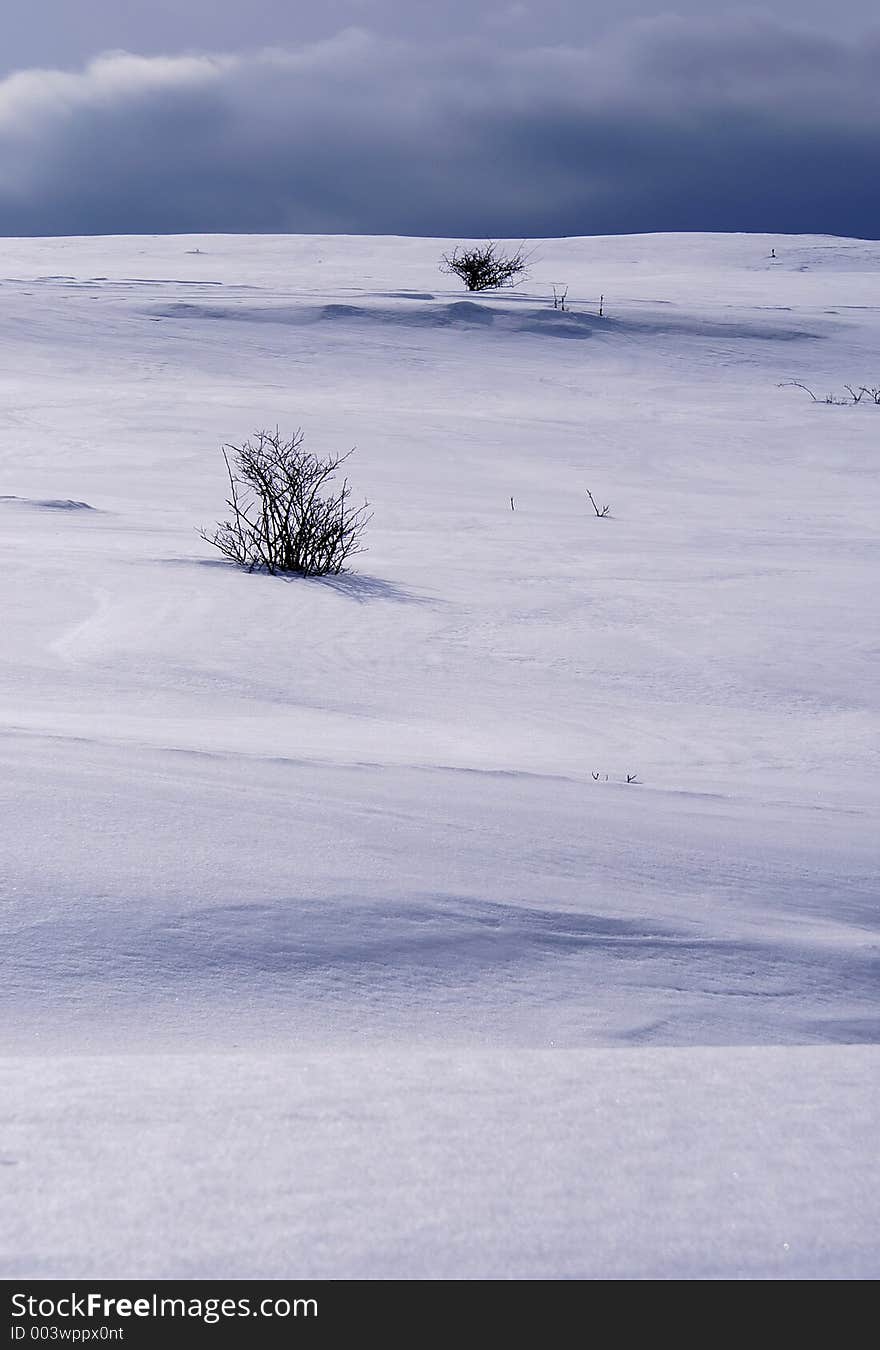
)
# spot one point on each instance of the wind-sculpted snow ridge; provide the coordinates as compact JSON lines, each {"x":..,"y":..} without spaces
{"x":538,"y":927}
{"x":501,"y":318}
{"x":49,"y":504}
{"x":345,"y":972}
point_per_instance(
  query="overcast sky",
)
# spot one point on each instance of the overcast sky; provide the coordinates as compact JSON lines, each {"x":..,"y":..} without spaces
{"x":462,"y":118}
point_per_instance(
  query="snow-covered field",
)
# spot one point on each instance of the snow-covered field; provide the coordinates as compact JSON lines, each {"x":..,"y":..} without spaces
{"x":325,"y":950}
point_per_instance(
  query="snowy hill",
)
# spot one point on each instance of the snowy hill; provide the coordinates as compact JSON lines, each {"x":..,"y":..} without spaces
{"x":347,"y":874}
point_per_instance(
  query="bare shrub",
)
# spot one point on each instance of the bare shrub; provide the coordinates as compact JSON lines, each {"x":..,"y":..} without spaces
{"x":280,"y":520}
{"x":855,"y":394}
{"x":484,"y":267}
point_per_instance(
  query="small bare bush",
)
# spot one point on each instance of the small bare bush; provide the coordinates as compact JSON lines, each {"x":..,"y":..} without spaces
{"x":283,"y":519}
{"x":854,"y":394}
{"x":485,"y":266}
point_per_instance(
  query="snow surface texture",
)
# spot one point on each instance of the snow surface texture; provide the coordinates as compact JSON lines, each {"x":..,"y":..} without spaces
{"x":324,"y":950}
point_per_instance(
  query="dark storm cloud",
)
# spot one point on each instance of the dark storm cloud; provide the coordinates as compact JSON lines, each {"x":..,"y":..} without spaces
{"x":669,"y":124}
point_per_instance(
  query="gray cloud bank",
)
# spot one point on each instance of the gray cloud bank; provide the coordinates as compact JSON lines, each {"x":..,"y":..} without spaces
{"x":667,"y":124}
